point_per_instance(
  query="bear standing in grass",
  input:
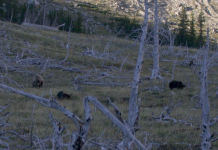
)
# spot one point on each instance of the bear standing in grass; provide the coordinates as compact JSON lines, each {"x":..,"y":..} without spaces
{"x":62,"y":95}
{"x":38,"y":81}
{"x":176,"y":84}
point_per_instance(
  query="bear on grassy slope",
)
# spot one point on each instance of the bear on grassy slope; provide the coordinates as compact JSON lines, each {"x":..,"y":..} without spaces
{"x":62,"y":95}
{"x":38,"y":81}
{"x":176,"y":84}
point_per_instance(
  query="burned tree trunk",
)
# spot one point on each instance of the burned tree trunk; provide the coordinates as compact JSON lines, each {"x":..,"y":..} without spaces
{"x":133,"y":101}
{"x":156,"y":69}
{"x":79,"y":139}
{"x":205,"y":125}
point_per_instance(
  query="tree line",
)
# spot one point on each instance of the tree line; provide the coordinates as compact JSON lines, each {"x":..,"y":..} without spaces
{"x":43,"y":14}
{"x":190,"y":32}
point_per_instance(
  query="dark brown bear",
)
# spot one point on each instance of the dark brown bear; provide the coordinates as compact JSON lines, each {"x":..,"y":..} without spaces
{"x":62,"y":95}
{"x":38,"y":81}
{"x":176,"y":84}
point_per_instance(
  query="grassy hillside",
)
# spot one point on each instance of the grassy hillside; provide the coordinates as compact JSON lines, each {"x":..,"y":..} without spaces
{"x":28,"y":43}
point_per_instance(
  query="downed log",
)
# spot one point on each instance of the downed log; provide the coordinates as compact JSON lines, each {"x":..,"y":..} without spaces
{"x":105,"y":84}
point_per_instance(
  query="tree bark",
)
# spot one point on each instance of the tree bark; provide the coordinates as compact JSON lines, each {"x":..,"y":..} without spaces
{"x":205,"y":125}
{"x":156,"y":69}
{"x":133,"y":101}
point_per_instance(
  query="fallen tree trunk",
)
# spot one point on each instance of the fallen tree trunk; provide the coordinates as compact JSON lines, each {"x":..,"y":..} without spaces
{"x":47,"y":103}
{"x":126,"y":131}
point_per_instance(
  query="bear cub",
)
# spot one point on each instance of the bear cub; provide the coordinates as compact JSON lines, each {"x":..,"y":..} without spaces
{"x":62,"y":95}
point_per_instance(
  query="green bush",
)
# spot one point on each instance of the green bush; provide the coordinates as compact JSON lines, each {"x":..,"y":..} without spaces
{"x":124,"y":26}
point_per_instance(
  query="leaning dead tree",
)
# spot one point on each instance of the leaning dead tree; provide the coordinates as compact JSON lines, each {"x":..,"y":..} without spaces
{"x":46,"y":103}
{"x":205,"y":125}
{"x":79,"y":137}
{"x":134,"y":101}
{"x":156,"y":67}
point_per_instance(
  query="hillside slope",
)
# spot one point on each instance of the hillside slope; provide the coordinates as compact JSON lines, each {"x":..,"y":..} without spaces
{"x":136,"y":7}
{"x":100,"y":66}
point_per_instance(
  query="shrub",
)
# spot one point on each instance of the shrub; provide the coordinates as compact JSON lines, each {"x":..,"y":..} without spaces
{"x":124,"y":26}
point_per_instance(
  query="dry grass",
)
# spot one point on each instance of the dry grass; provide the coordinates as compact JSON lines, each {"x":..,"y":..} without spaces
{"x":49,"y":44}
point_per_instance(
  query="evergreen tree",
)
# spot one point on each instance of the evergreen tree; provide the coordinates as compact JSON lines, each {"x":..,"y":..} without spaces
{"x":11,"y":10}
{"x":192,"y":32}
{"x":201,"y":21}
{"x":77,"y":27}
{"x":182,"y":36}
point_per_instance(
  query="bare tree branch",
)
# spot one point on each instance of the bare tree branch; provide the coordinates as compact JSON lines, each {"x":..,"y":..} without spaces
{"x":116,"y":110}
{"x":58,"y":129}
{"x":126,"y":131}
{"x":46,"y":102}
{"x":214,"y":120}
{"x":79,"y":138}
{"x":165,"y":116}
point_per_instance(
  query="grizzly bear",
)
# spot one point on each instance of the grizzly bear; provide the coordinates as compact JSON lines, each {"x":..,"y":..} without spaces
{"x":38,"y":81}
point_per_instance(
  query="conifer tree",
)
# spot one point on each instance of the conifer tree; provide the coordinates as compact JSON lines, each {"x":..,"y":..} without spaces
{"x":201,"y":21}
{"x":182,"y":35}
{"x":192,"y":32}
{"x":78,"y":23}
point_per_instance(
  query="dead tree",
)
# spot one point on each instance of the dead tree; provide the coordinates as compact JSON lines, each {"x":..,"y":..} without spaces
{"x":165,"y":116}
{"x":68,"y":42}
{"x":156,"y":67}
{"x":78,"y":138}
{"x":46,"y":103}
{"x":32,"y":17}
{"x":205,"y":124}
{"x":27,"y":11}
{"x":82,"y":126}
{"x":58,"y":129}
{"x":206,"y":136}
{"x":122,"y":126}
{"x":134,"y":101}
{"x":172,"y":40}
{"x":44,"y":4}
